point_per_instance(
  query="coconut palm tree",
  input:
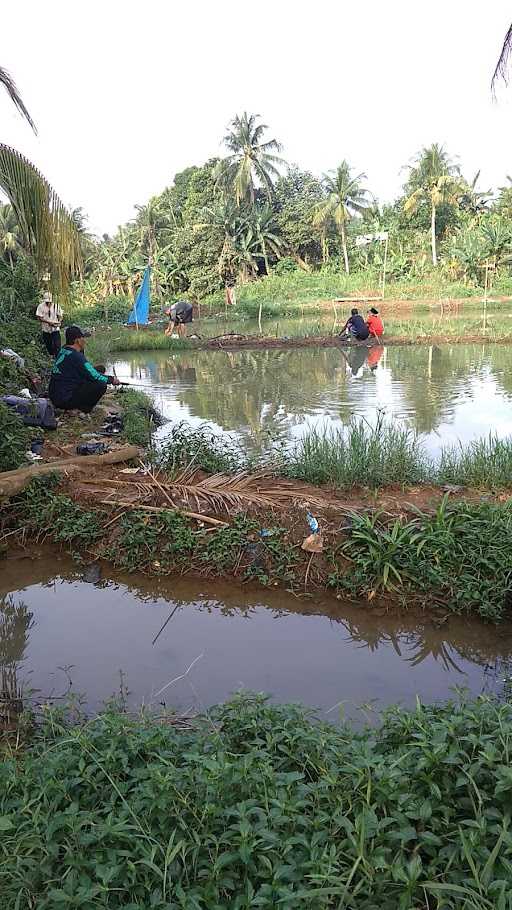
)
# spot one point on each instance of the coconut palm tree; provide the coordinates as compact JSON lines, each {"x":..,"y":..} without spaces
{"x":345,"y":197}
{"x":433,"y":179}
{"x":252,"y":161}
{"x":48,"y":232}
{"x":474,"y":201}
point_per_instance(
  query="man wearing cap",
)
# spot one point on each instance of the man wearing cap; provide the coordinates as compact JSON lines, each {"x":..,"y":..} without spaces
{"x":50,"y":317}
{"x":74,"y":382}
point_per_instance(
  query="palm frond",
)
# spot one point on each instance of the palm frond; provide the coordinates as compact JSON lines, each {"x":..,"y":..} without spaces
{"x":10,"y":86}
{"x":502,"y":66}
{"x":48,"y":231}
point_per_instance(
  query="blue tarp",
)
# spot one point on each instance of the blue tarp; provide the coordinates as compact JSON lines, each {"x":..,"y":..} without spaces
{"x":140,"y":311}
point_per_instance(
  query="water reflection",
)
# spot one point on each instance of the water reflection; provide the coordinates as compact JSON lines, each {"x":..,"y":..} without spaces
{"x":318,"y":651}
{"x":449,"y":393}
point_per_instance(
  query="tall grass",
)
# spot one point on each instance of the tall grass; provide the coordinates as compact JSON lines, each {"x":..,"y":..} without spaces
{"x":259,"y":806}
{"x":485,"y":462}
{"x":359,"y":455}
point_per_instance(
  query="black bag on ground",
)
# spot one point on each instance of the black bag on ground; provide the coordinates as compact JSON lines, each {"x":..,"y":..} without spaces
{"x":35,"y":412}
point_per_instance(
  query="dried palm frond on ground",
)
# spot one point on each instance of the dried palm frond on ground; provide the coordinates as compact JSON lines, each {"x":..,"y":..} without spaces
{"x":217,"y":492}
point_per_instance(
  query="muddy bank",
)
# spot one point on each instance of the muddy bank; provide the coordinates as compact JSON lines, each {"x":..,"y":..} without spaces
{"x":235,"y":342}
{"x":409,"y":547}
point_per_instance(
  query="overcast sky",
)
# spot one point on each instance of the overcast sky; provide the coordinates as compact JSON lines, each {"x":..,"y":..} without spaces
{"x":126,"y":93}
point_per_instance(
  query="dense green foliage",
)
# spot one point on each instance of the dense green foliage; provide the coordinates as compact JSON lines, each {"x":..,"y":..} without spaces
{"x":250,"y":215}
{"x":257,"y":806}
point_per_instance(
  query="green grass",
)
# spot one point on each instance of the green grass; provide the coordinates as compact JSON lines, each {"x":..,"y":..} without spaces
{"x":258,"y":806}
{"x":387,"y":453}
{"x":298,"y":287}
{"x":485,"y":463}
{"x":122,"y":339}
{"x":361,"y":455}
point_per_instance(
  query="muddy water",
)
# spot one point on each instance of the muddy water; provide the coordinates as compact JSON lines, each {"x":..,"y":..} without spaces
{"x":58,"y":631}
{"x":449,"y":393}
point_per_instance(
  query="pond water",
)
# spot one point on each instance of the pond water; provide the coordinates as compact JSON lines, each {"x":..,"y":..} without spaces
{"x":448,"y":393}
{"x":56,"y":628}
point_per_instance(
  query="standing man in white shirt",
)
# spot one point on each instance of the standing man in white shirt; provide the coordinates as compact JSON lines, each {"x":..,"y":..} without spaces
{"x":50,"y":317}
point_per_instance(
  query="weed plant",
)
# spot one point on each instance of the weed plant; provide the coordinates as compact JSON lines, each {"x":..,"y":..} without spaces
{"x":15,"y":439}
{"x":200,"y":447}
{"x":259,"y":806}
{"x":139,"y":416}
{"x":460,"y":556}
{"x":46,"y":511}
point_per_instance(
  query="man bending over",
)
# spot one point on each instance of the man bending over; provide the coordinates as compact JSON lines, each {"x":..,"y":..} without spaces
{"x":74,"y":382}
{"x":355,"y":326}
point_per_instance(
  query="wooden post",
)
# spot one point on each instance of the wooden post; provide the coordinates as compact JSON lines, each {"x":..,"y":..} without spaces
{"x":385,"y":267}
{"x":486,"y":291}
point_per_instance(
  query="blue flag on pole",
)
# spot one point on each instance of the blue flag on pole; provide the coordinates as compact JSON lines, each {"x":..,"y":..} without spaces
{"x":140,"y":312}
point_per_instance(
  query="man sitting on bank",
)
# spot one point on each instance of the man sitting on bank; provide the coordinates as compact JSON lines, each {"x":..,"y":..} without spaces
{"x":356,"y":326}
{"x":74,"y":383}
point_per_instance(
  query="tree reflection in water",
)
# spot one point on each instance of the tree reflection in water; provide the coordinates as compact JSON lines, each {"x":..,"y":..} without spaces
{"x":15,"y":623}
{"x":270,"y":394}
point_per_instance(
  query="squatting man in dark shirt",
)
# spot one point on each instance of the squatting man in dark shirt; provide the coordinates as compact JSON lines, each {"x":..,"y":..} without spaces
{"x":74,"y":383}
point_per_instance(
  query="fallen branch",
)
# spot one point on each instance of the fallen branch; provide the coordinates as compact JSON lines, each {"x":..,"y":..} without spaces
{"x":13,"y":482}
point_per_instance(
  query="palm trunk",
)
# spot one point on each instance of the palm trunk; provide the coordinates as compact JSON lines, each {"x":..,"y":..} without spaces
{"x":344,"y":245}
{"x":433,"y":235}
{"x":265,"y":257}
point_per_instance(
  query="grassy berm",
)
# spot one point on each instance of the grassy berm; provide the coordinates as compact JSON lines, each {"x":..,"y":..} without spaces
{"x":257,"y":806}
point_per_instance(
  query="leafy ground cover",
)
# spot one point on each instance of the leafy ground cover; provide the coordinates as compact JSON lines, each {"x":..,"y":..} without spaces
{"x":256,"y":805}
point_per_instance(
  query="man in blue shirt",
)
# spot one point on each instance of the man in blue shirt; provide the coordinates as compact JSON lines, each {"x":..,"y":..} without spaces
{"x":356,"y":326}
{"x":74,"y":383}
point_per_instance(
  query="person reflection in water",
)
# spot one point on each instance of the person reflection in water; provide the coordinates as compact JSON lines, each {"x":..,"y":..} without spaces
{"x":357,"y":359}
{"x":374,"y":356}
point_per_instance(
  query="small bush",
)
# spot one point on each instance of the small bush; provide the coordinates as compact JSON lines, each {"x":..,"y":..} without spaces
{"x":460,"y":556}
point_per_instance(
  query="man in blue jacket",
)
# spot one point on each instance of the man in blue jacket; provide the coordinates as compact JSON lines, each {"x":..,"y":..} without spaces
{"x":74,"y":383}
{"x":356,"y":326}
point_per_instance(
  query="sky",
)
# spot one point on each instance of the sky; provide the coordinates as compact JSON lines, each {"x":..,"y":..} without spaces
{"x":125,"y":94}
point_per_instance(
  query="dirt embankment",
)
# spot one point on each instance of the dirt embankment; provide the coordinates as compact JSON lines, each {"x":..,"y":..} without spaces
{"x":236,"y":342}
